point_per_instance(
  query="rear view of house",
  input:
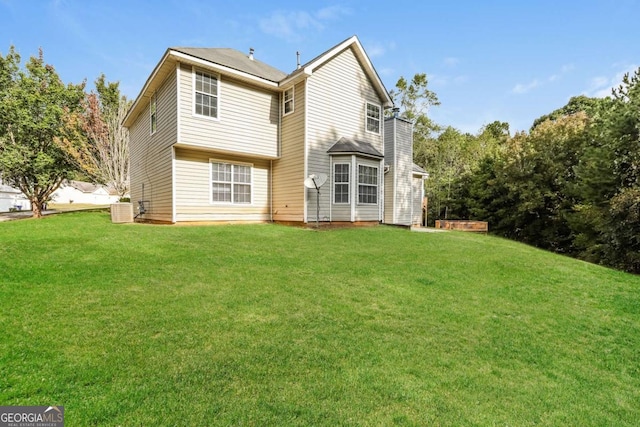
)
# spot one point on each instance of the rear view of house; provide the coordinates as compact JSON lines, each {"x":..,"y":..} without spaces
{"x":217,"y":135}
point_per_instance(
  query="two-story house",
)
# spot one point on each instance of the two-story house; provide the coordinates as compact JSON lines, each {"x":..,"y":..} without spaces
{"x":217,"y":135}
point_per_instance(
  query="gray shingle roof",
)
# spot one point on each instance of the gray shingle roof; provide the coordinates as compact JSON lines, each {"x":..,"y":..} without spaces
{"x":234,"y":59}
{"x":348,"y":145}
{"x":418,"y":169}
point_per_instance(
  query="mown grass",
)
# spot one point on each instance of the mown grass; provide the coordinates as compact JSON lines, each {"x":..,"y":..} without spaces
{"x":271,"y":325}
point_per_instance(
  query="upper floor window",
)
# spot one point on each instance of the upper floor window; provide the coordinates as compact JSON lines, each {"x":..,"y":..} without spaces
{"x":287,"y":101}
{"x":205,"y":94}
{"x":153,"y":113}
{"x":367,"y":184}
{"x":341,"y":183}
{"x":373,"y":118}
{"x":230,"y":183}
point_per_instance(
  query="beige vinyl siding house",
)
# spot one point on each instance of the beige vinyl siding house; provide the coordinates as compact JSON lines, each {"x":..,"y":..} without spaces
{"x":398,"y":149}
{"x":246,"y":123}
{"x":151,"y":154}
{"x":417,"y":195}
{"x":193,"y":188}
{"x":338,"y":92}
{"x":217,"y":135}
{"x":289,"y":168}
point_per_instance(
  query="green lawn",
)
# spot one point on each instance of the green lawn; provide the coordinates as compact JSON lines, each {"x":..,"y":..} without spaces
{"x":141,"y":325}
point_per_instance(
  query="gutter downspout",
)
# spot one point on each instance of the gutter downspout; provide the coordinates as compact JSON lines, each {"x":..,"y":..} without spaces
{"x":306,"y":146}
{"x":173,"y":148}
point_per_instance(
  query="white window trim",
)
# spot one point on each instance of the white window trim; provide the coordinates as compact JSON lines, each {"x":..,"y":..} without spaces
{"x":377,"y":185}
{"x":366,"y":117}
{"x":153,"y":109}
{"x":333,"y":198}
{"x":193,"y":94}
{"x":293,"y":100}
{"x":231,"y":203}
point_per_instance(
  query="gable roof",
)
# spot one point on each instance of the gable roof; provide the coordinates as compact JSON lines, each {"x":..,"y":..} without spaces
{"x":354,"y":43}
{"x":87,"y":187}
{"x":417,"y":170}
{"x":351,"y":146}
{"x":240,"y":66}
{"x":234,"y":59}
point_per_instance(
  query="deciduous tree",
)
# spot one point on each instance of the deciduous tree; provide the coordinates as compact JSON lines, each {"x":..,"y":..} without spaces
{"x":36,"y":110}
{"x":104,"y":154}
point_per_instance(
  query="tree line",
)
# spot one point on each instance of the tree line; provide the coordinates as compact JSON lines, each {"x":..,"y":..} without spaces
{"x":51,"y":131}
{"x":571,"y":184}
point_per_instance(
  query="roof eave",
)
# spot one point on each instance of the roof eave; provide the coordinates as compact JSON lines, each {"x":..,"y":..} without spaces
{"x":361,"y":54}
{"x":357,"y":153}
{"x":295,"y":77}
{"x":223,"y":69}
{"x":170,"y":57}
{"x":133,"y":110}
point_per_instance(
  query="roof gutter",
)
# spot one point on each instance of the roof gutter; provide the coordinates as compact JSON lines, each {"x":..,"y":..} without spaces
{"x":224,"y":69}
{"x":172,"y":55}
{"x":138,"y":99}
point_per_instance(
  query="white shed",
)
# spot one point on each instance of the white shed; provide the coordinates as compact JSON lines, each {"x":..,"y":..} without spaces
{"x":12,"y":198}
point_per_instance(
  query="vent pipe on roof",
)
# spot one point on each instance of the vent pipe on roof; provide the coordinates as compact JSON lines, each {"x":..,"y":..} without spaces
{"x":297,"y":60}
{"x":251,"y":50}
{"x":396,"y":112}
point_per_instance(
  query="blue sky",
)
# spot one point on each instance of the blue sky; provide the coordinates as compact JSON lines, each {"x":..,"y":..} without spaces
{"x":486,"y":60}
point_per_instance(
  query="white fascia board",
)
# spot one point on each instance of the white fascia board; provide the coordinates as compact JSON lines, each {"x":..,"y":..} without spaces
{"x":329,"y":54}
{"x":136,"y":104}
{"x":294,"y":78}
{"x":224,"y":69}
{"x":387,"y":102}
{"x":357,"y":153}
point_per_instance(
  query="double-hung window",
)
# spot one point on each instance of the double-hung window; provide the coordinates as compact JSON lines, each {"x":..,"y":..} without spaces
{"x":367,"y":184}
{"x":373,"y":118}
{"x":153,"y":113}
{"x":205,"y":95}
{"x":288,"y":101}
{"x":230,"y":183}
{"x":341,"y":183}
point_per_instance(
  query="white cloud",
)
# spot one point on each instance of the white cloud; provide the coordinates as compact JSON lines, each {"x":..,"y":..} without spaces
{"x":521,"y":88}
{"x":287,"y":24}
{"x":451,"y":61}
{"x":290,"y":25}
{"x":387,"y":72}
{"x":332,"y":12}
{"x":600,"y":86}
{"x":375,"y":50}
{"x":444,"y":80}
{"x":460,"y":79}
{"x":567,"y":68}
{"x":379,"y":49}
